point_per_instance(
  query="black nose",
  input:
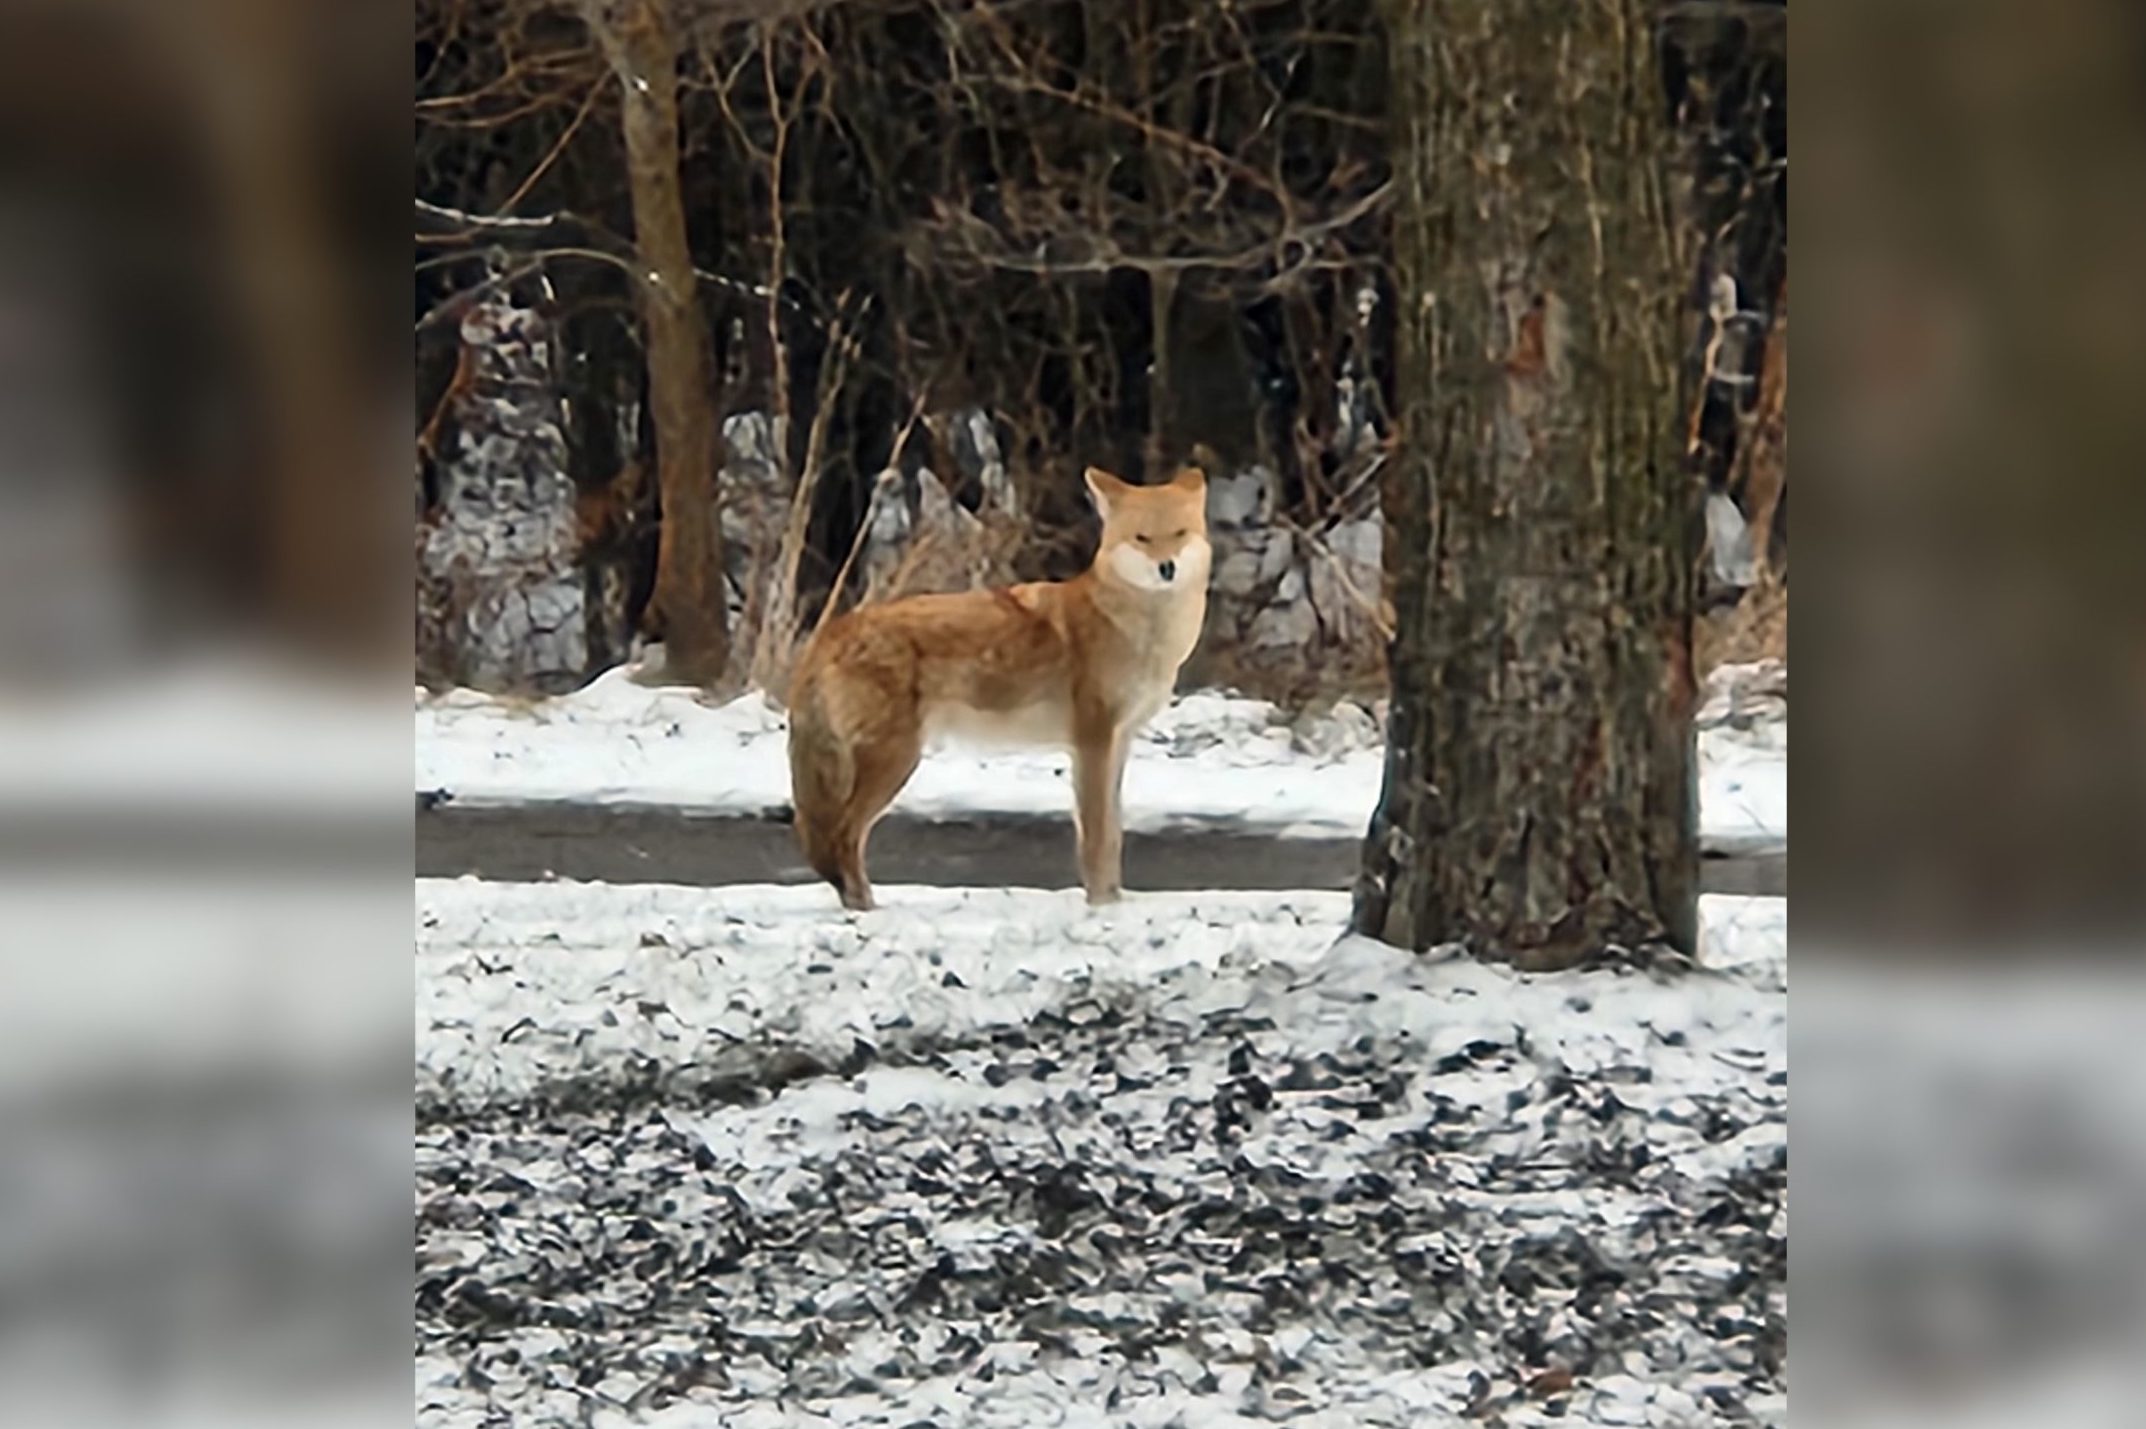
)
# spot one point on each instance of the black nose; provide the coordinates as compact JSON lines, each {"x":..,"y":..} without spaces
{"x":1168,"y":569}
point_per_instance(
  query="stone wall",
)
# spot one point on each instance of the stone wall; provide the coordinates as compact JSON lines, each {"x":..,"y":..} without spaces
{"x":501,"y":594}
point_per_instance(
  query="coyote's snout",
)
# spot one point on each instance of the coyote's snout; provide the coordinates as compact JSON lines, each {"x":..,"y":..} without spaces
{"x":1078,"y":665}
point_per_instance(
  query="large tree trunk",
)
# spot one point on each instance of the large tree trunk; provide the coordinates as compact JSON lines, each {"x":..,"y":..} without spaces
{"x":688,"y":600}
{"x":1539,"y":800}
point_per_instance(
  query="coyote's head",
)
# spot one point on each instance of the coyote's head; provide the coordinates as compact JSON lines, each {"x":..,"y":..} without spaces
{"x":1154,"y":537}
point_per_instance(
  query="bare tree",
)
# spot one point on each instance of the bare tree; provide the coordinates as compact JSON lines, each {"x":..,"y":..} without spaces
{"x":688,"y":601}
{"x":1543,"y":529}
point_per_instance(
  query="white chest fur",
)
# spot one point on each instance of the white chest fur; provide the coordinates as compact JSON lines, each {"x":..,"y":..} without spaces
{"x":1046,"y":725}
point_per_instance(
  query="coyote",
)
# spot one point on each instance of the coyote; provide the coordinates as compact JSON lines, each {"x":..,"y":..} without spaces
{"x":1078,"y":664}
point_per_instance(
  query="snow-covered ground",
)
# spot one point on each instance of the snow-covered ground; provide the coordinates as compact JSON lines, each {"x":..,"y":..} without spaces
{"x":990,"y":1157}
{"x":1209,"y":761}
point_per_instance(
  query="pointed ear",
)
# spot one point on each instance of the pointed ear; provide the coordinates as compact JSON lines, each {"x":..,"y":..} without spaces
{"x":1191,"y":478}
{"x":1103,"y":488}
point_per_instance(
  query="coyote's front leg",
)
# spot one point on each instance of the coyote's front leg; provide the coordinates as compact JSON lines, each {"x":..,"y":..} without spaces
{"x":1098,"y":774}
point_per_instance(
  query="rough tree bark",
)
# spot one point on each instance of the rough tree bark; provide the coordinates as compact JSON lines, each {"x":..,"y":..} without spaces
{"x":1539,"y":800}
{"x":688,"y":601}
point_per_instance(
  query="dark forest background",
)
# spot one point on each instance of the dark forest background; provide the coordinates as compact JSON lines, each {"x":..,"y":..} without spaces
{"x":948,"y":254}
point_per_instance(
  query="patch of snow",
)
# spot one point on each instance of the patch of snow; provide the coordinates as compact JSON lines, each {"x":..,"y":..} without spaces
{"x":527,"y":988}
{"x":1728,"y":543}
{"x":618,"y":742}
{"x":985,"y":1157}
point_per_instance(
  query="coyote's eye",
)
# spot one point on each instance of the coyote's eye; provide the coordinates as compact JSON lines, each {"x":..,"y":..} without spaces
{"x":1179,"y":536}
{"x":1141,"y":539}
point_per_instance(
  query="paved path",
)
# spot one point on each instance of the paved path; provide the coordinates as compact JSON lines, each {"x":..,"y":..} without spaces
{"x":527,"y":843}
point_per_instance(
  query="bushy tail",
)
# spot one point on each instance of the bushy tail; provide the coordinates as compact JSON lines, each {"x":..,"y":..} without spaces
{"x":822,"y":774}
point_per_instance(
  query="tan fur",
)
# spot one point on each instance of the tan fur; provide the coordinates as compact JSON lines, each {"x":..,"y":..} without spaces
{"x":1078,"y":665}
